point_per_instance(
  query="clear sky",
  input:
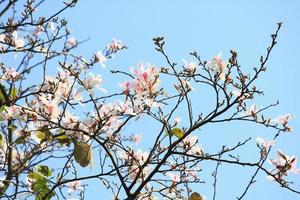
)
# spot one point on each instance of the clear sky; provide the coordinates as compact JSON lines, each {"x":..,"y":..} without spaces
{"x":209,"y":27}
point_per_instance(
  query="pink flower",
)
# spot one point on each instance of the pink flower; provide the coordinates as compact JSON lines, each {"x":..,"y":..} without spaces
{"x":125,"y":108}
{"x":115,"y":46}
{"x":190,"y":67}
{"x":284,"y":119}
{"x":18,"y":41}
{"x":127,"y":86}
{"x":140,"y":156}
{"x":177,"y":121}
{"x":11,"y":112}
{"x":174,"y":177}
{"x":11,"y":74}
{"x":190,"y":145}
{"x":74,"y":186}
{"x":284,"y":165}
{"x":146,"y":78}
{"x":136,"y":138}
{"x":218,"y":65}
{"x":183,"y":86}
{"x":252,"y":110}
{"x":192,"y":173}
{"x":69,"y":120}
{"x":77,"y":95}
{"x":265,"y":143}
{"x":218,"y":62}
{"x":135,"y":169}
{"x":92,"y":81}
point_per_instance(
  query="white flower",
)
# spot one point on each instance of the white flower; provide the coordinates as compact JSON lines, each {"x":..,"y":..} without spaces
{"x":52,"y":26}
{"x":72,"y":42}
{"x":101,"y":58}
{"x":189,"y":66}
{"x":252,"y":110}
{"x":93,"y":81}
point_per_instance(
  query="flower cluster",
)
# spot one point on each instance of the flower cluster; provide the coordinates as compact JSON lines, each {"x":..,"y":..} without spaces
{"x":218,"y":66}
{"x":189,"y":144}
{"x":283,"y":165}
{"x":143,"y":88}
{"x":136,"y":160}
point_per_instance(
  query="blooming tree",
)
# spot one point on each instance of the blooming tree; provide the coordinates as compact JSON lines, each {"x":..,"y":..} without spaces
{"x":57,"y":117}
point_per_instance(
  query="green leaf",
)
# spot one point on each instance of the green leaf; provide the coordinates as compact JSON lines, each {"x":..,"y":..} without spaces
{"x":2,"y":108}
{"x":45,"y":170}
{"x":2,"y":140}
{"x":2,"y":98}
{"x":40,"y":183}
{"x":82,"y":153}
{"x":20,"y":140}
{"x":58,"y":177}
{"x":177,"y":132}
{"x":35,"y":176}
{"x":13,"y":93}
{"x":195,"y":196}
{"x":63,"y":140}
{"x":12,"y":127}
{"x":41,"y":135}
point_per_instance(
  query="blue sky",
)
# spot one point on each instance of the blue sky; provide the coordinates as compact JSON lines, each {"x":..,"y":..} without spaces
{"x":209,"y":27}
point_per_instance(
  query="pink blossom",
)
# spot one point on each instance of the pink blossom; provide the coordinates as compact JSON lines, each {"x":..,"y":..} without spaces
{"x":77,"y":95}
{"x":177,"y":121}
{"x":174,"y":177}
{"x":140,"y":156}
{"x":284,"y":165}
{"x":284,"y":119}
{"x":265,"y":143}
{"x":146,"y":78}
{"x":135,"y":169}
{"x":92,"y":81}
{"x":252,"y":111}
{"x":115,"y":45}
{"x":217,"y":63}
{"x":2,"y":40}
{"x":136,"y":138}
{"x":127,"y":86}
{"x":69,"y":120}
{"x":183,"y":86}
{"x":38,"y":30}
{"x":11,"y":74}
{"x":192,"y":173}
{"x":74,"y":186}
{"x":18,"y":41}
{"x":125,"y":108}
{"x":190,"y":67}
{"x":11,"y":112}
{"x":50,"y":106}
{"x":190,"y":145}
